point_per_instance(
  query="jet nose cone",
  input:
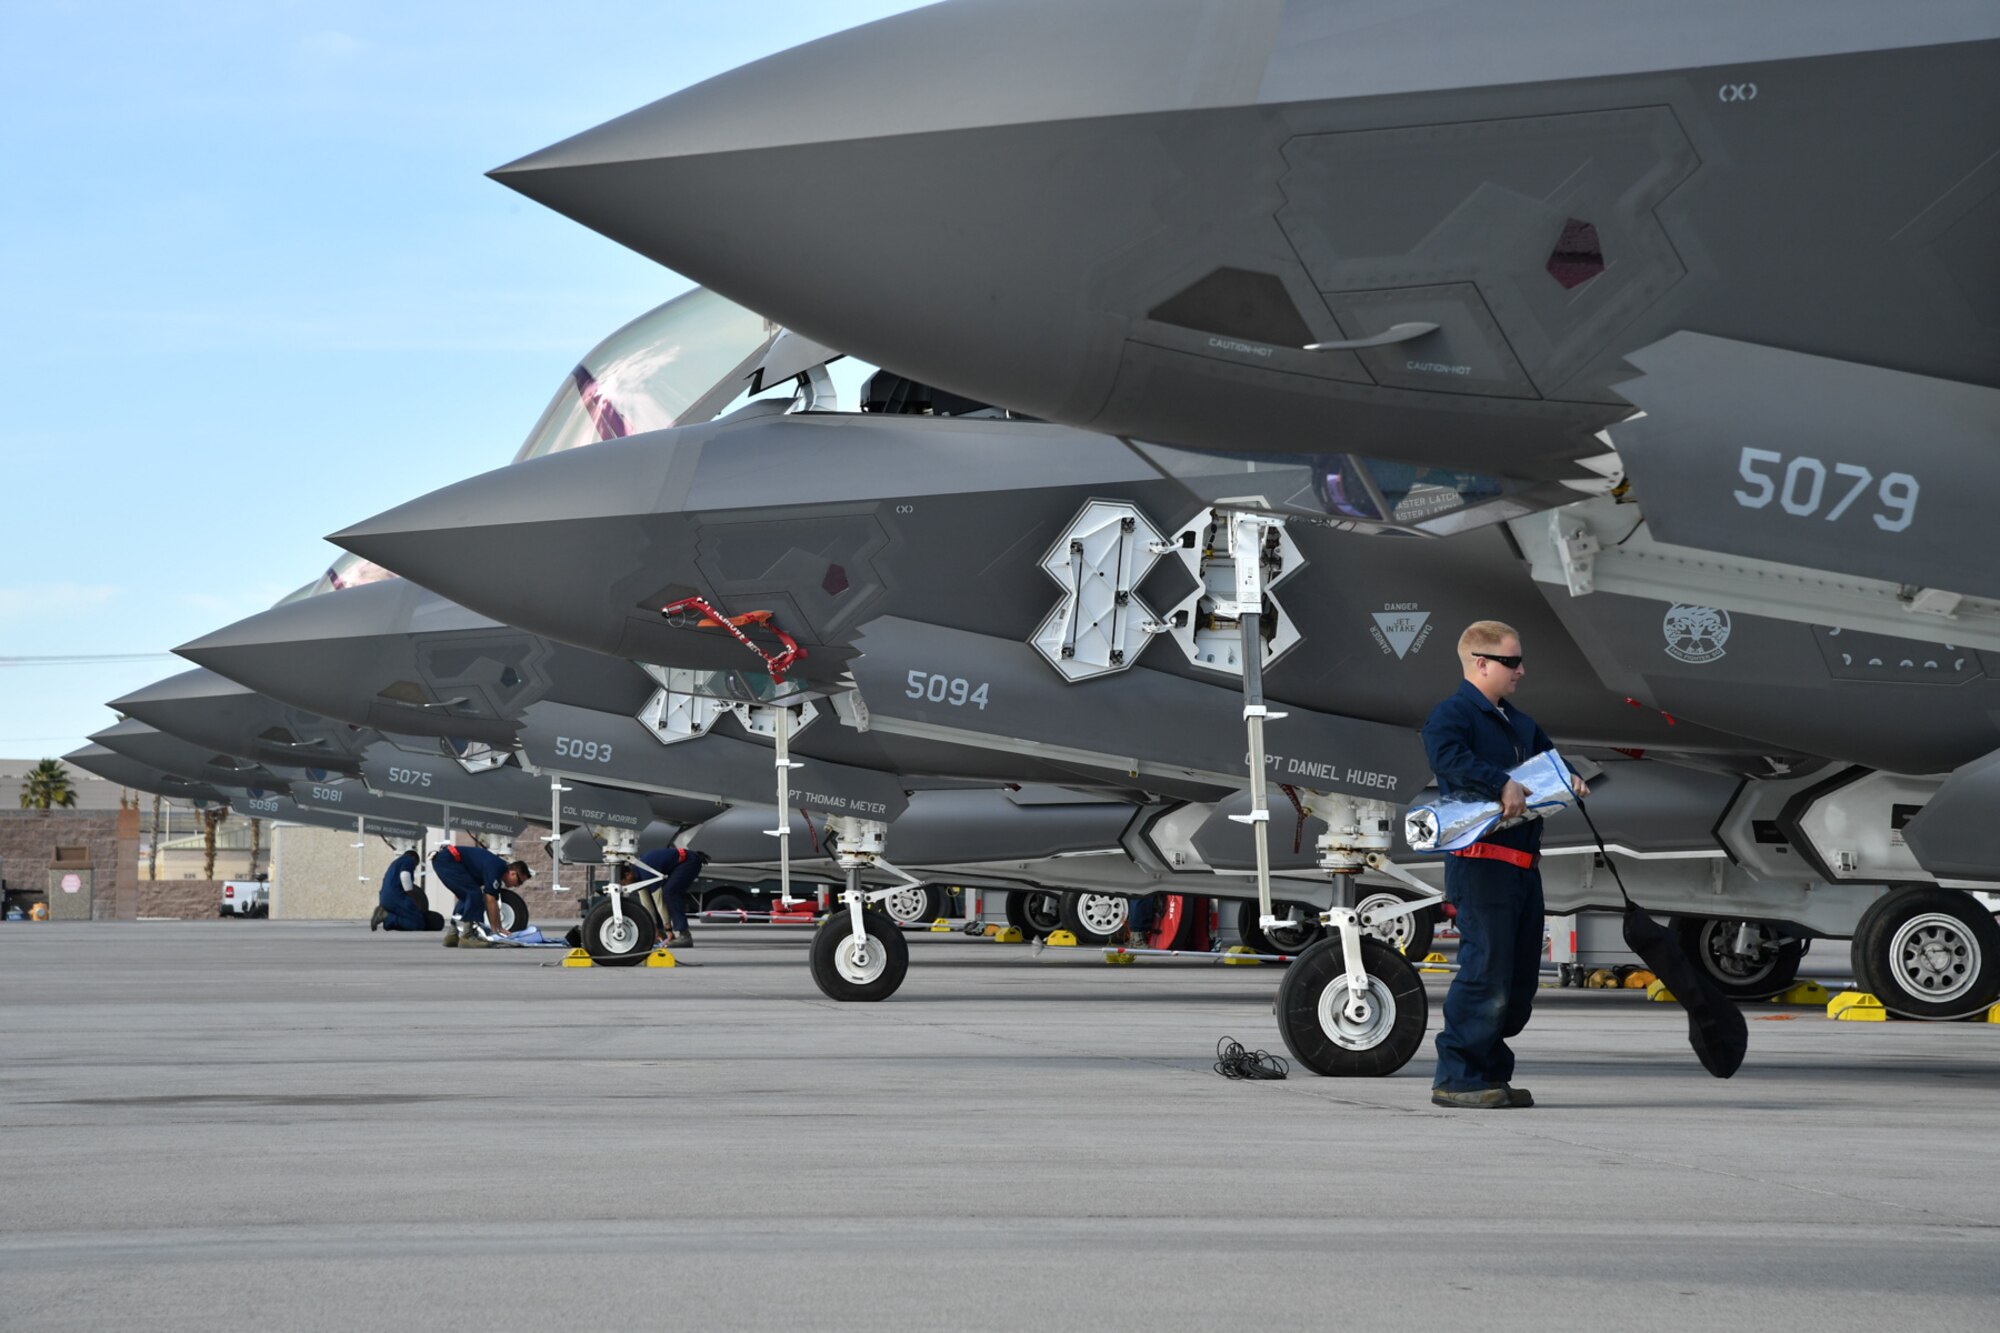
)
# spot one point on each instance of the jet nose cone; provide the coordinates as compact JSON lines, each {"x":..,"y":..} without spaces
{"x":390,"y":655}
{"x":128,"y":772}
{"x":209,"y":710}
{"x":969,"y":153}
{"x":583,"y":546}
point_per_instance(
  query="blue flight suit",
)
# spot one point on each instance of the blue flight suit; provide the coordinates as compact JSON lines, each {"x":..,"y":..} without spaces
{"x":470,"y":873}
{"x":403,"y":909}
{"x":1472,"y":743}
{"x":681,"y":868}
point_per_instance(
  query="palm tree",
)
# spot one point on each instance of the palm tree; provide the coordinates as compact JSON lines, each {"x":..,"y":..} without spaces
{"x":211,"y":820}
{"x":256,"y":844}
{"x":153,"y":862}
{"x":47,"y":786}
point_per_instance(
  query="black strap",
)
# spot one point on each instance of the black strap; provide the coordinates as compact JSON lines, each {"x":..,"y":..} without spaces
{"x":1604,"y":851}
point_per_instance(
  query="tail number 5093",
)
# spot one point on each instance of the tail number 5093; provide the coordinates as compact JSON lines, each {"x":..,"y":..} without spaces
{"x":954,"y":690}
{"x":596,"y":752}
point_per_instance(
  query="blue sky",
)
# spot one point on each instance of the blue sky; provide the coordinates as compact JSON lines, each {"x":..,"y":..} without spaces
{"x":254,"y":285}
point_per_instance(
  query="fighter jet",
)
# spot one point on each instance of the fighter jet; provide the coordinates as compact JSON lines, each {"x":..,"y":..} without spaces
{"x":1433,"y":232}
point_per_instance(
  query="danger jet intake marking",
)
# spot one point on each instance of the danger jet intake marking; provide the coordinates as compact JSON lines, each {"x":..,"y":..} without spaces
{"x":1401,"y":628}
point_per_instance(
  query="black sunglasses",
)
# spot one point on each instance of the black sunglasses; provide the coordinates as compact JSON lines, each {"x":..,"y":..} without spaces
{"x":1510,"y":662}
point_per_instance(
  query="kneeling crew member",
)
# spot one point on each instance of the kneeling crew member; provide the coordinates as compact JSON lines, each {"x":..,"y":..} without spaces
{"x":681,"y":867}
{"x":401,"y":904}
{"x":1473,"y":739}
{"x":476,"y":877}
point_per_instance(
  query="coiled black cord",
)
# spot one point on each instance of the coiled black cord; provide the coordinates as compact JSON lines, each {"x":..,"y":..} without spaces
{"x":1232,"y":1061}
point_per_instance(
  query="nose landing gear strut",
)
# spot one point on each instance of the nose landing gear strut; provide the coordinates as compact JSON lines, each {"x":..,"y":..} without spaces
{"x":858,"y":954}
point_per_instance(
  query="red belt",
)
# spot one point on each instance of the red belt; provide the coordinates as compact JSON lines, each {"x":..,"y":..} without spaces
{"x":1486,"y":851}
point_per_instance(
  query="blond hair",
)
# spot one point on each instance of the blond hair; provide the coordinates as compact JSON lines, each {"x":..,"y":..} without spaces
{"x":1483,"y":636}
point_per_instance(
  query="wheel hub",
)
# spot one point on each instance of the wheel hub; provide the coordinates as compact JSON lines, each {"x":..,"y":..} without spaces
{"x":906,"y":905}
{"x":1934,"y":957}
{"x":1364,"y":1030}
{"x":1725,"y":960}
{"x":620,"y":934}
{"x":859,"y":964}
{"x":1102,"y":913}
{"x":1397,"y":933}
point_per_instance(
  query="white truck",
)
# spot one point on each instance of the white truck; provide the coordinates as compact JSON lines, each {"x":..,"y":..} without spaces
{"x":246,"y":897}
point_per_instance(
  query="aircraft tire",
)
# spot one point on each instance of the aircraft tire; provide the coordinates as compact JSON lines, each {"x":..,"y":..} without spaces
{"x":1094,"y":917}
{"x":1929,"y":953}
{"x":834,"y":970}
{"x":513,"y":911}
{"x":913,"y":908}
{"x":610,"y":944}
{"x":1292,"y":939}
{"x":1319,"y":1035}
{"x":1706,"y":939}
{"x":725,"y":900}
{"x":1033,"y":912}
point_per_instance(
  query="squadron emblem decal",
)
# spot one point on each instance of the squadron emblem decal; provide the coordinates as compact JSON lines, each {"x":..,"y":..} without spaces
{"x":1695,"y":634}
{"x":1400,"y":628}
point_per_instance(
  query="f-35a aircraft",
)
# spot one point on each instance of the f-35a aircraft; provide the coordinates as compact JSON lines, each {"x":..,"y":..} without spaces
{"x":1721,"y":270}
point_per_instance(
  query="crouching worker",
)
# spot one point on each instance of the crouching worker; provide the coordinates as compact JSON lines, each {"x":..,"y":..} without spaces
{"x":681,"y":868}
{"x":475,"y":876}
{"x":401,"y":905}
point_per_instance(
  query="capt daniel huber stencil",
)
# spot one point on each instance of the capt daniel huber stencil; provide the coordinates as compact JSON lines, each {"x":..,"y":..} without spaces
{"x":1400,"y":628}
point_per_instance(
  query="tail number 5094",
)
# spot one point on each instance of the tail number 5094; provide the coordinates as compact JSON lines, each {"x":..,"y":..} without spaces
{"x":954,"y":690}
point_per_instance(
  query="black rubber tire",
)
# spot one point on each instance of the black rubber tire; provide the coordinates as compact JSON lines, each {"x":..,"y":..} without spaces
{"x":724,"y":900}
{"x":1034,"y":912}
{"x":1703,"y":936}
{"x":831,"y":940}
{"x":1292,"y":940}
{"x":513,"y":911}
{"x":626,"y":950}
{"x":1075,"y":913}
{"x":1963,"y":936}
{"x":913,"y":908}
{"x":1390,"y":1046}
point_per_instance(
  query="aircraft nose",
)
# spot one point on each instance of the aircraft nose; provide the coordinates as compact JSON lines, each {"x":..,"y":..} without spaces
{"x":389,"y":655}
{"x":969,"y":166}
{"x":567,"y":546}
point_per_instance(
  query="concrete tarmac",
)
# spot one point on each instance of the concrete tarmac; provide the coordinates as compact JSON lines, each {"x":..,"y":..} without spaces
{"x":272,"y":1125}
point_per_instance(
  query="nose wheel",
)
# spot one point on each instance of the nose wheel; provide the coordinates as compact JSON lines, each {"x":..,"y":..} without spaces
{"x":1328,"y":1032}
{"x":618,"y":941}
{"x":850,"y":969}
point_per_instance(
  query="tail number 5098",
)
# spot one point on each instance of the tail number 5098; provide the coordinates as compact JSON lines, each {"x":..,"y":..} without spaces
{"x":954,"y":690}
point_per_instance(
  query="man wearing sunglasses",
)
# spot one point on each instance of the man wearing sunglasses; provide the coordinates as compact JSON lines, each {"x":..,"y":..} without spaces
{"x":1473,"y":738}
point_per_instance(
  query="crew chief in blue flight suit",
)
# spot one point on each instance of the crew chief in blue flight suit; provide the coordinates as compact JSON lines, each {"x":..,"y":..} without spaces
{"x":476,"y":877}
{"x":400,"y":906}
{"x":1473,"y":738}
{"x":681,"y":867}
